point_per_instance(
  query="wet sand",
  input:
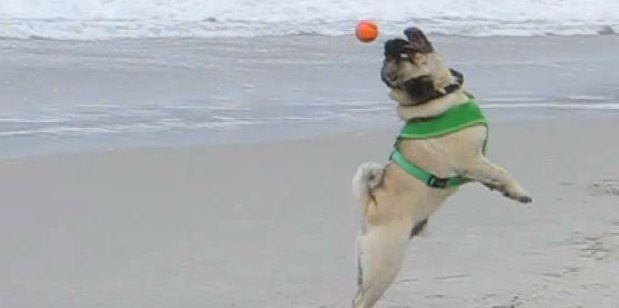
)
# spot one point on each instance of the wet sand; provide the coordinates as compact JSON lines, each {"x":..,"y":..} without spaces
{"x":273,"y":225}
{"x":73,"y":96}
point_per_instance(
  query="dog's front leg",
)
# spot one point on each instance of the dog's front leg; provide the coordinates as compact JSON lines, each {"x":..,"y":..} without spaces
{"x":495,"y":177}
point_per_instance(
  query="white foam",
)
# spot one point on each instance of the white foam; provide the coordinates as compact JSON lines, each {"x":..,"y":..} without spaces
{"x":567,"y":106}
{"x":32,"y":120}
{"x":104,"y":19}
{"x":59,"y":127}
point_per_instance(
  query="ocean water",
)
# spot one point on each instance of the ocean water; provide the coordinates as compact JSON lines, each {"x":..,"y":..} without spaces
{"x":58,"y":96}
{"x":98,"y":74}
{"x":108,"y":19}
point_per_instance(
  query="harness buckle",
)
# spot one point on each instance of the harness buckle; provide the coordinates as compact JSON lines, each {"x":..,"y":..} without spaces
{"x":435,"y":182}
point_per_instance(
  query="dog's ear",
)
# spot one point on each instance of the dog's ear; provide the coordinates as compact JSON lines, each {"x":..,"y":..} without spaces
{"x":418,"y":40}
{"x":395,"y":46}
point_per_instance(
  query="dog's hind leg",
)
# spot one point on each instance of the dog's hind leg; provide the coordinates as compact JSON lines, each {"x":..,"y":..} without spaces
{"x":380,"y":253}
{"x":419,"y":227}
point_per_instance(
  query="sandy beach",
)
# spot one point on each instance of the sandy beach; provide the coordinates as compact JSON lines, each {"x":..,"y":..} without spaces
{"x":273,"y":224}
{"x":191,"y":153}
{"x":191,"y":172}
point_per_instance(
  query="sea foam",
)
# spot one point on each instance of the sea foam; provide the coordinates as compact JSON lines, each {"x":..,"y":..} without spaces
{"x":108,"y":19}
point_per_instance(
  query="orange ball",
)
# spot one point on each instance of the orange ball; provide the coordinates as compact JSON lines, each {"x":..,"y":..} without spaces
{"x":366,"y":31}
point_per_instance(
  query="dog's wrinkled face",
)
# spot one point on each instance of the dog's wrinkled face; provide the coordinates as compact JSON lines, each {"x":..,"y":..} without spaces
{"x":412,"y":67}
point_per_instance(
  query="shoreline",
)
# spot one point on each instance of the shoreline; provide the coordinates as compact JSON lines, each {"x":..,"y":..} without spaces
{"x":87,"y":96}
{"x":551,"y":116}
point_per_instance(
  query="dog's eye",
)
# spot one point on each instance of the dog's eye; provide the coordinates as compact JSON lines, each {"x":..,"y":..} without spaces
{"x":404,"y":56}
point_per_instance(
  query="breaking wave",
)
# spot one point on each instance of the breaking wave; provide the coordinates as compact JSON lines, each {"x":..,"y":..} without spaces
{"x":108,"y":19}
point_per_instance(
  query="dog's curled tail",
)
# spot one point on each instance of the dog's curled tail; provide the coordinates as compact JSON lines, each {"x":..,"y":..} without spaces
{"x":369,"y":175}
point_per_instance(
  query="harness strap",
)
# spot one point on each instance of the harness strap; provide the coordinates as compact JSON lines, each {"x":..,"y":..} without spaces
{"x":424,"y":176}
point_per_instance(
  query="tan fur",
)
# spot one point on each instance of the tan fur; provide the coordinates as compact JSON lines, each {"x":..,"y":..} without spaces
{"x":401,"y":201}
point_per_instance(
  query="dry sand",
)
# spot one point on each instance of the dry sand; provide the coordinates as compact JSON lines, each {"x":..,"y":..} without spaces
{"x":273,"y":225}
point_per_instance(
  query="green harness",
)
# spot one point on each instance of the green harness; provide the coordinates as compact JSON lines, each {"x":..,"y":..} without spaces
{"x":456,"y":118}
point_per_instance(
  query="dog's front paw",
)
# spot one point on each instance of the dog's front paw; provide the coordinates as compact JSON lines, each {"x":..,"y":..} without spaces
{"x":520,"y":198}
{"x":518,"y":194}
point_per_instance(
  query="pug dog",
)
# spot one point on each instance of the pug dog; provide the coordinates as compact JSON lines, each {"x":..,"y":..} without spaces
{"x":396,"y":206}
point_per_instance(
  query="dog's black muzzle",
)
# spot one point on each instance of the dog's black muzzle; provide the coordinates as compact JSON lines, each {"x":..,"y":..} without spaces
{"x":419,"y":88}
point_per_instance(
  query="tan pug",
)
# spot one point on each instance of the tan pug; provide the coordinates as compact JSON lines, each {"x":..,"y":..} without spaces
{"x":396,"y":205}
